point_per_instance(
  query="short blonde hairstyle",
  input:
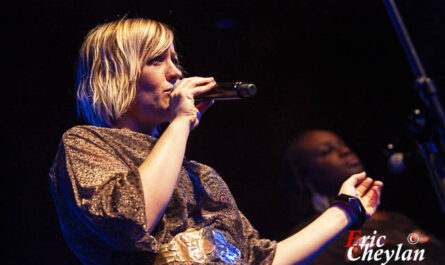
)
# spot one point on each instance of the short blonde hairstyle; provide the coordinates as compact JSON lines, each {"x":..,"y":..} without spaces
{"x":110,"y":63}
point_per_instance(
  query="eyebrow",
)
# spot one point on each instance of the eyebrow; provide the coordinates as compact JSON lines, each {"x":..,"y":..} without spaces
{"x":340,"y":141}
{"x":324,"y":144}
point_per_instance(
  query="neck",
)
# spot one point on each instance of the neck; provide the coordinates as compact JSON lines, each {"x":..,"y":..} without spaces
{"x":131,"y":124}
{"x":320,"y":202}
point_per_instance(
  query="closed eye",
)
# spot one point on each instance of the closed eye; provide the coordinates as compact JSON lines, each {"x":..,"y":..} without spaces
{"x":155,"y":60}
{"x":325,"y":150}
{"x":178,"y":65}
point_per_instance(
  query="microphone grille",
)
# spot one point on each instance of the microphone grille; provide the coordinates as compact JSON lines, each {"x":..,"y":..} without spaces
{"x":245,"y":90}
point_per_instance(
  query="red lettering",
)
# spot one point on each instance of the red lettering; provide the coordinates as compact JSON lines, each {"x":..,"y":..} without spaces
{"x":353,"y":238}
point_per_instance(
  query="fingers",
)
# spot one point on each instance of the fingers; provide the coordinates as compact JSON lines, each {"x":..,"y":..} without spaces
{"x":356,"y":178}
{"x":182,"y":98}
{"x":195,"y":85}
{"x":348,"y":187}
{"x":367,"y":185}
{"x":378,"y":183}
{"x":364,"y":186}
{"x":204,"y":87}
{"x":366,"y":189}
{"x":378,"y":192}
{"x":375,"y":191}
{"x":371,"y":200}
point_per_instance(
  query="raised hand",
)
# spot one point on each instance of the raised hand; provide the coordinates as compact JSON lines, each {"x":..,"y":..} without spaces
{"x":182,"y":99}
{"x":366,"y":189}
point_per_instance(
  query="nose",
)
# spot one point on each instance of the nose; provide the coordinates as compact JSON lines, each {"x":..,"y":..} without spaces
{"x":173,"y":73}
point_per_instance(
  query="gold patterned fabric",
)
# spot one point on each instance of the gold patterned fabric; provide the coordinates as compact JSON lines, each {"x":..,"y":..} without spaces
{"x":97,"y":191}
{"x":199,"y":246}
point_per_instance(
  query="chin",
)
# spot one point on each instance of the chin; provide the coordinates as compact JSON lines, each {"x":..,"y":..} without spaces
{"x":349,"y":172}
{"x":359,"y":168}
{"x":355,"y":170}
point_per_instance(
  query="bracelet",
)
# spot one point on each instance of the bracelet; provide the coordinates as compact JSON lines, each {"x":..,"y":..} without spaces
{"x":355,"y":204}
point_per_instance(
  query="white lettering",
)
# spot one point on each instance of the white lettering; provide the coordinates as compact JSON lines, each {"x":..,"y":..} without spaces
{"x":408,"y":253}
{"x":384,"y":255}
{"x":416,"y":253}
{"x":377,"y":254}
{"x":379,"y":243}
{"x":399,"y":247}
{"x":388,"y":255}
{"x":363,"y":242}
{"x":350,"y":257}
{"x":367,"y":252}
{"x":371,"y":244}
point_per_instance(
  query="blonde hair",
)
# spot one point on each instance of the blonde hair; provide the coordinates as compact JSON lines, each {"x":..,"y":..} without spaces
{"x":110,"y":62}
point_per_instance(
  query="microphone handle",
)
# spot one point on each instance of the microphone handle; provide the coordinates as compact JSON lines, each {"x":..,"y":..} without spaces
{"x":229,"y":91}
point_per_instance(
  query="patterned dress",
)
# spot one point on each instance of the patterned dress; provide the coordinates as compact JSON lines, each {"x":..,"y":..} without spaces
{"x":97,"y":190}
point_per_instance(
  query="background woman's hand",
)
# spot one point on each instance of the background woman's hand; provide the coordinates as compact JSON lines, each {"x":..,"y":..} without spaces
{"x":366,"y":189}
{"x":182,"y":104}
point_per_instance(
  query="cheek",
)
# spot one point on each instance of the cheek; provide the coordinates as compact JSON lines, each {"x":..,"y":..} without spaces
{"x":144,"y":99}
{"x":148,"y":93}
{"x":153,"y":101}
{"x":327,"y":163}
{"x":335,"y":170}
{"x":148,"y":96}
{"x":330,"y":168}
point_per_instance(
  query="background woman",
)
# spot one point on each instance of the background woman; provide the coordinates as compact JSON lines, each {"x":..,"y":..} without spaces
{"x":315,"y":164}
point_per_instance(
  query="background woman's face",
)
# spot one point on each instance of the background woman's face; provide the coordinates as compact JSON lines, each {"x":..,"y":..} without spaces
{"x":328,"y":161}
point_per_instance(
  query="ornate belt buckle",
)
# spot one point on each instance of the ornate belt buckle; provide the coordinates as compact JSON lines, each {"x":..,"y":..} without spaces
{"x":198,"y":246}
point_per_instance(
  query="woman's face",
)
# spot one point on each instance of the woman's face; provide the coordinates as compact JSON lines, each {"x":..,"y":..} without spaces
{"x":154,"y":87}
{"x":328,"y":160}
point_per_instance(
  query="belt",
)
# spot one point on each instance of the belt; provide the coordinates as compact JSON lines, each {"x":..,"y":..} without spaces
{"x":206,"y":244}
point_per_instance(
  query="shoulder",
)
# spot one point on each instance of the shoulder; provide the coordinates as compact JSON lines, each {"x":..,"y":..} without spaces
{"x":84,"y":131}
{"x":83,"y":138}
{"x":104,"y":142}
{"x":89,"y":132}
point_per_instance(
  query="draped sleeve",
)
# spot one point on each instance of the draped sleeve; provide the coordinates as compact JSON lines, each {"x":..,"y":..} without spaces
{"x":96,"y":189}
{"x":259,"y":250}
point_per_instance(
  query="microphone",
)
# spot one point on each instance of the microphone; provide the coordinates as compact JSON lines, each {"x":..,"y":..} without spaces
{"x":229,"y":91}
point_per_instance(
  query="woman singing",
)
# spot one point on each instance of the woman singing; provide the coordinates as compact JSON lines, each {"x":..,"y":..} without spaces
{"x":124,"y":196}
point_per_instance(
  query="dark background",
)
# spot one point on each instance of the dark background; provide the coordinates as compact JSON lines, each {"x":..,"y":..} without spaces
{"x":317,"y":64}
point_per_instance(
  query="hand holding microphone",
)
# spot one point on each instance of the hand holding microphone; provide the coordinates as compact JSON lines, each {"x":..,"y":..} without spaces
{"x":205,"y":91}
{"x":182,"y":94}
